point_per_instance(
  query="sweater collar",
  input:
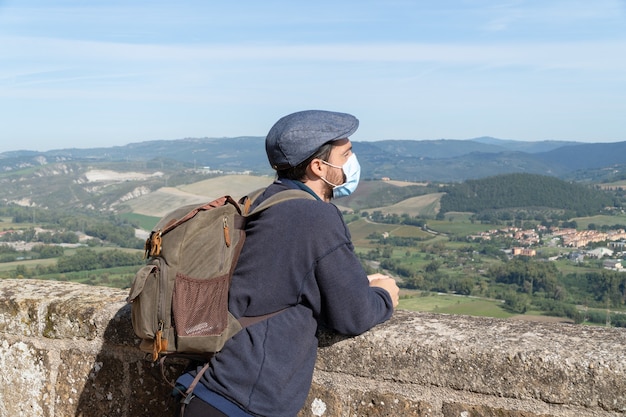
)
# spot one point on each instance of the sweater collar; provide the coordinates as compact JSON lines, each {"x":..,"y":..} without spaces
{"x":297,"y":184}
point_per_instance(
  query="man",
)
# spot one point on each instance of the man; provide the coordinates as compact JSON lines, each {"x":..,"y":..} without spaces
{"x":298,"y":259}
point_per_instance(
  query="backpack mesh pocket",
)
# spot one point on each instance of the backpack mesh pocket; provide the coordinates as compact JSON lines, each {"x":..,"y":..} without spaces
{"x":200,"y":306}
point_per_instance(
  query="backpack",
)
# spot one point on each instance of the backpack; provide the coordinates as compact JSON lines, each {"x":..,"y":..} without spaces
{"x":179,"y":299}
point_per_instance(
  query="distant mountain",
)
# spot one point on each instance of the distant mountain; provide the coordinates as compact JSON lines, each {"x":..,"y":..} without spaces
{"x":528,"y":147}
{"x":455,"y":169}
{"x":450,"y":148}
{"x":442,"y":160}
{"x":436,"y":149}
{"x":586,"y":156}
{"x":238,"y":153}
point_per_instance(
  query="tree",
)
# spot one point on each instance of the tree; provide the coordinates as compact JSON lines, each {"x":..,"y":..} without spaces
{"x":432,"y":267}
{"x":517,"y":303}
{"x":464,"y":286}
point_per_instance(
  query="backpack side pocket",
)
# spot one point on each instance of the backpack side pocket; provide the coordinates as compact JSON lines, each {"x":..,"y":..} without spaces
{"x":201,"y":317}
{"x":144,"y":298}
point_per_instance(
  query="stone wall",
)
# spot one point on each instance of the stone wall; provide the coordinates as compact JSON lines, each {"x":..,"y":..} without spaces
{"x":68,"y":350}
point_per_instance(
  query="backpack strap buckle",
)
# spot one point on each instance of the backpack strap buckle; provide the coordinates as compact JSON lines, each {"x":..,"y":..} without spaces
{"x":152,"y":247}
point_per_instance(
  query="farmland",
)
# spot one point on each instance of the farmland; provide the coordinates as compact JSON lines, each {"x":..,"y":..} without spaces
{"x":430,"y":255}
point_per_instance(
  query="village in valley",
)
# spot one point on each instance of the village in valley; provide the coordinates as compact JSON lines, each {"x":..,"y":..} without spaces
{"x":528,"y":241}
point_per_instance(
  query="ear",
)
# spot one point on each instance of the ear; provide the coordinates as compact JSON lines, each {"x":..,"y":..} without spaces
{"x":316,"y":167}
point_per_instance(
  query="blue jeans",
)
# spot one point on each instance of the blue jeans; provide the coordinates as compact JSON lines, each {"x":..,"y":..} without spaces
{"x":199,"y":408}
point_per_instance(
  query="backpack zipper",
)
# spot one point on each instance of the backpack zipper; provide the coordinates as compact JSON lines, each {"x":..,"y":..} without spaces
{"x":227,"y":241}
{"x":162,"y":313}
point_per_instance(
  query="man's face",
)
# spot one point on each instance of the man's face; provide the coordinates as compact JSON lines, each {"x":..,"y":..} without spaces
{"x":341,"y":151}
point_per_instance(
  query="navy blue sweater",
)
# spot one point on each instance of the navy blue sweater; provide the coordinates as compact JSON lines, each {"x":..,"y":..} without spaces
{"x":298,"y":255}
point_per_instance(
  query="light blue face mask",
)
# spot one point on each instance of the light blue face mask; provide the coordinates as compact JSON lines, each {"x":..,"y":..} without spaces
{"x":351,"y":172}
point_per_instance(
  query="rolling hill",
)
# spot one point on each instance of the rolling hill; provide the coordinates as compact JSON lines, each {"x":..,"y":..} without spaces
{"x":164,"y":200}
{"x":153,"y":176}
{"x":423,"y":205}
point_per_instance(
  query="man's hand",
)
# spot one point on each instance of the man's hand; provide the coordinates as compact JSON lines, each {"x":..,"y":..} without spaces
{"x":388,"y":284}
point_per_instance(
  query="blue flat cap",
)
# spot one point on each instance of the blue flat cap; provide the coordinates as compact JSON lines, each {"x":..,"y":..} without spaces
{"x":297,"y":136}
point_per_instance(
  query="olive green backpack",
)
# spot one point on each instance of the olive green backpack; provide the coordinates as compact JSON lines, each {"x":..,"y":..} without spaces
{"x":179,"y":299}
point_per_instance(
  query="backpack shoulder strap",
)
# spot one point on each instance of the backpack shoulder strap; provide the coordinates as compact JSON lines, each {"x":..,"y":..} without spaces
{"x":246,"y":321}
{"x":279,"y":198}
{"x":246,"y":201}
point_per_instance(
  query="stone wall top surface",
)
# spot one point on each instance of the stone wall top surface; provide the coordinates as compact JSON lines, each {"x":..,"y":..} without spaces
{"x":55,"y":309}
{"x":550,"y":362}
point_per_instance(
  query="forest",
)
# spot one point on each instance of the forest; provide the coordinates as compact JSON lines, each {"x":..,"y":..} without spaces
{"x":525,"y":190}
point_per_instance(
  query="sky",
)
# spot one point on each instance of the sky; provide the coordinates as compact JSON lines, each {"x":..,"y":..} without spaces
{"x":99,"y":73}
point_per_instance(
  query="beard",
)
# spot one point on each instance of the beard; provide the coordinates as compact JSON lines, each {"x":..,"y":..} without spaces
{"x":337,"y":177}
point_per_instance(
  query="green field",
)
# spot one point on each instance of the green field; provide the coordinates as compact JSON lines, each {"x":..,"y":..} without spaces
{"x":6,"y":223}
{"x":600,"y":220}
{"x":363,"y":228}
{"x":143,"y":221}
{"x":119,"y":277}
{"x":452,"y":304}
{"x":424,"y":205}
{"x":459,"y":217}
{"x":458,"y":228}
{"x":7,"y":267}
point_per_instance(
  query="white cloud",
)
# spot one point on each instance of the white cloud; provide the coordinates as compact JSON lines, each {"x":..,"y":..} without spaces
{"x":31,"y":52}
